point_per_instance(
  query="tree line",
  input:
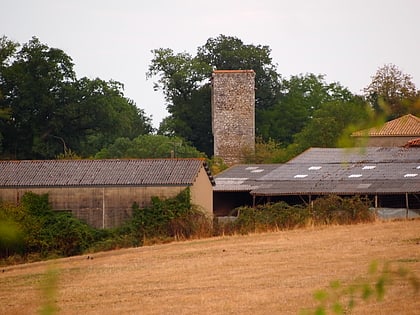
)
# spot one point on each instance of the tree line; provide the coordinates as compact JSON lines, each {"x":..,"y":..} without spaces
{"x":47,"y":112}
{"x":292,"y":114}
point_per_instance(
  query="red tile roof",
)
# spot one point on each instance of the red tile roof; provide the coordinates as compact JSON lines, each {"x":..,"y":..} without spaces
{"x":408,"y":125}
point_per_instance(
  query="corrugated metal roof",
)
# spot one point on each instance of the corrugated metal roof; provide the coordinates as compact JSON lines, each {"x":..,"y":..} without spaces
{"x":357,"y":155}
{"x":408,"y":125}
{"x":372,"y":170}
{"x":350,"y":187}
{"x":324,"y":171}
{"x":242,"y":177}
{"x":134,"y":172}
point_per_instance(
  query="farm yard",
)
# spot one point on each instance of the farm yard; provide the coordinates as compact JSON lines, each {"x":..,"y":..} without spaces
{"x":269,"y":273}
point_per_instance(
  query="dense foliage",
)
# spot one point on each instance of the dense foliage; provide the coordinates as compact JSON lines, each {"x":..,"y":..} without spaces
{"x":393,"y":92}
{"x":45,"y":110}
{"x":280,"y":216}
{"x":33,"y":231}
{"x":170,"y":218}
{"x":293,"y":114}
{"x":149,"y":146}
{"x":185,"y":81}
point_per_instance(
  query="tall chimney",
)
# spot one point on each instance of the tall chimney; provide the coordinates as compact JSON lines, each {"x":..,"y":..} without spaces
{"x":233,"y":114}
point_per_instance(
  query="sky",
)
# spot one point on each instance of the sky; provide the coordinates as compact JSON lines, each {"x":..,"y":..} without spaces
{"x":345,"y":40}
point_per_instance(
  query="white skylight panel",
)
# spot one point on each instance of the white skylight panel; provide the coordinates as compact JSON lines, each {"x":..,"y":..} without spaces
{"x":418,"y":167}
{"x":369,"y":167}
{"x":251,"y":168}
{"x":410,"y":175}
{"x":258,"y":170}
{"x":300,"y":176}
{"x":314,"y":168}
{"x":355,"y":175}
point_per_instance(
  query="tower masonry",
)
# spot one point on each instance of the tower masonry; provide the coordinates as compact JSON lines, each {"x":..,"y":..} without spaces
{"x":233,"y":114}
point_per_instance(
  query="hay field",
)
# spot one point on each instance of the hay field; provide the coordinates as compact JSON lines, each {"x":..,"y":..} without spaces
{"x":270,"y":273}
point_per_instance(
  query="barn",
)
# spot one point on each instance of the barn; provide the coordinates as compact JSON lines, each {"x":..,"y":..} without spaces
{"x":102,"y":192}
{"x":389,"y":176}
{"x":233,"y":186}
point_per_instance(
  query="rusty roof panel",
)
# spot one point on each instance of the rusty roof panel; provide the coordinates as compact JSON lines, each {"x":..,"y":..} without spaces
{"x":100,"y":172}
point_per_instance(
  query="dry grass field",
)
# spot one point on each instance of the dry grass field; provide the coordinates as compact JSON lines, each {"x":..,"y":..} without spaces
{"x":270,"y":273}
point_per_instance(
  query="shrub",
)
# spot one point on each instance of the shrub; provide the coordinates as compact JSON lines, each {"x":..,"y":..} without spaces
{"x":41,"y":232}
{"x":169,"y":218}
{"x":334,"y":209}
{"x":273,"y":216}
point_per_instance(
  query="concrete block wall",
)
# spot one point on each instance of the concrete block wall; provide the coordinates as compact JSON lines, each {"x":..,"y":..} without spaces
{"x":233,"y":114}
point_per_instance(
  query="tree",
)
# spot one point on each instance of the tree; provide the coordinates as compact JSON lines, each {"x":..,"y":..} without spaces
{"x":230,"y":53}
{"x":301,"y":96}
{"x":330,"y":123}
{"x":184,"y":79}
{"x":31,"y":86}
{"x":392,"y":92}
{"x":45,"y":110}
{"x":100,"y":115}
{"x":149,"y":146}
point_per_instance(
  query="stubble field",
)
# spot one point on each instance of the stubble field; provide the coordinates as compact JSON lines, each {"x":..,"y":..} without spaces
{"x":270,"y":273}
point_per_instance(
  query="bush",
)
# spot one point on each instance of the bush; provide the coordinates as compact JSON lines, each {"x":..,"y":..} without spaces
{"x":41,"y":232}
{"x":173,"y":217}
{"x":337,"y":210}
{"x":272,"y":216}
{"x":280,"y":216}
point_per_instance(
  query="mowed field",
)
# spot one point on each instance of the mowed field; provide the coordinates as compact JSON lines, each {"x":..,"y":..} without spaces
{"x":270,"y":273}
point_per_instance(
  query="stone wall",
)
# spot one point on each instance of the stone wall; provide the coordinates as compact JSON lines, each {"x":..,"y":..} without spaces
{"x":233,"y":114}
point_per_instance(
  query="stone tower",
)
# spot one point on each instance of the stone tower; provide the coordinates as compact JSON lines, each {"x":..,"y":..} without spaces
{"x":233,"y":114}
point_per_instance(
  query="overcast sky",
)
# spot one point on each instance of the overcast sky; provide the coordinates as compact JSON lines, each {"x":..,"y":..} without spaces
{"x":346,"y":40}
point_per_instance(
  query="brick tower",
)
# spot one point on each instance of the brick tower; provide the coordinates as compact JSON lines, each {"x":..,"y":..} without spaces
{"x":233,"y":114}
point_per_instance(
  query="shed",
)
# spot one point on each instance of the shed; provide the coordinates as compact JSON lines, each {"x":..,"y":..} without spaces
{"x":102,"y":192}
{"x":397,"y":132}
{"x":390,"y":176}
{"x":233,"y":186}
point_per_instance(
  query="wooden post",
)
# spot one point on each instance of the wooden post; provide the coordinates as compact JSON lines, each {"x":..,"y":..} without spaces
{"x":406,"y":205}
{"x":103,"y":207}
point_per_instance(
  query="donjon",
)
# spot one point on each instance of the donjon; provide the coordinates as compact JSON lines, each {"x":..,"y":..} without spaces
{"x":233,"y":114}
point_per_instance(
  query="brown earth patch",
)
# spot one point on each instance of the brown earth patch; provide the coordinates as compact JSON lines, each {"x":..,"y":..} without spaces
{"x":270,"y":273}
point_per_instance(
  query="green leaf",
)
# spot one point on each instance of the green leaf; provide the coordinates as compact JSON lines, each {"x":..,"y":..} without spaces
{"x":335,"y":284}
{"x":380,"y":288}
{"x":373,"y":267}
{"x":320,"y":311}
{"x":367,"y":292}
{"x":337,"y":308}
{"x":320,"y":295}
